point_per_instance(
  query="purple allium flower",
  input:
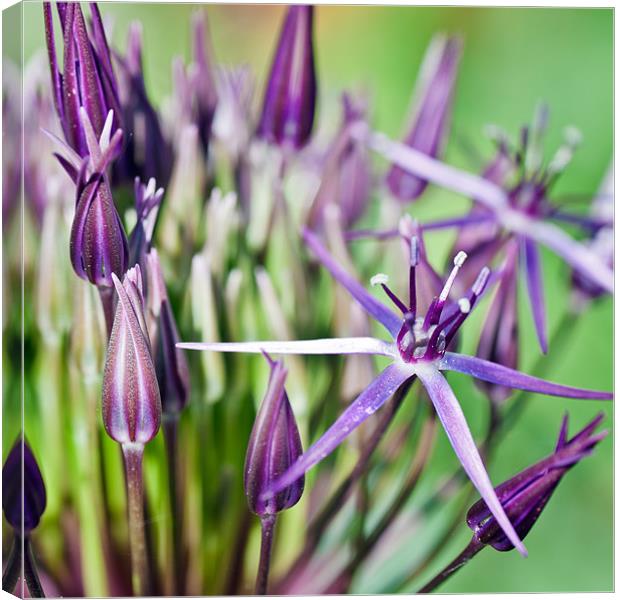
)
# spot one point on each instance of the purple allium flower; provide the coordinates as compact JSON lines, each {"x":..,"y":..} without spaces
{"x":98,"y":245}
{"x":347,"y":177}
{"x":525,"y":495}
{"x":87,"y":79}
{"x":22,"y":489}
{"x":418,"y":348}
{"x":290,"y":94}
{"x":146,"y":153}
{"x":131,"y":402}
{"x":170,"y":362}
{"x":520,"y":210}
{"x":432,"y":111}
{"x":273,"y":447}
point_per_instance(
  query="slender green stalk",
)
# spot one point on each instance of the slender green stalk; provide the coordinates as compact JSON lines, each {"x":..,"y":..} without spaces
{"x":31,"y":576}
{"x":170,"y":424}
{"x":133,"y":456}
{"x":235,"y":572}
{"x":460,"y":561}
{"x":267,"y":523}
{"x":13,"y":567}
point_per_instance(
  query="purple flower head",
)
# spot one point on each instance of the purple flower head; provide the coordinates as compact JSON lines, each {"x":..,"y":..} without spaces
{"x":431,"y":115}
{"x":146,"y":153}
{"x":525,"y":495}
{"x":170,"y":362}
{"x":131,"y":402}
{"x":273,"y":447}
{"x":290,"y":95}
{"x":518,"y":210}
{"x":347,"y":175}
{"x":87,"y":79}
{"x":98,"y":245}
{"x":27,"y":492}
{"x":418,"y":347}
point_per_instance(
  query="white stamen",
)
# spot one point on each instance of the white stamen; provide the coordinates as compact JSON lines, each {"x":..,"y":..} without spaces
{"x":379,"y":279}
{"x":459,"y":260}
{"x":464,"y":305}
{"x":481,"y":281}
{"x":414,"y":256}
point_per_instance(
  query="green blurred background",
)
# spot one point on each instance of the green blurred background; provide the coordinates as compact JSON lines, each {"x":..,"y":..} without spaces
{"x":512,"y":58}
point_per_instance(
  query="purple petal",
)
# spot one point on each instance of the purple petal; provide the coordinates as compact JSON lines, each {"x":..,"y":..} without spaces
{"x":366,"y":404}
{"x":577,"y":255}
{"x":453,"y":420}
{"x":359,"y":345}
{"x":51,"y":53}
{"x":494,"y":373}
{"x":535,"y":288}
{"x":370,"y":304}
{"x":437,"y":172}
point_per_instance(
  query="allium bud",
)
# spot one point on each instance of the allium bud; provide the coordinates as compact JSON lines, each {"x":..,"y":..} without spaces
{"x":525,"y":495}
{"x":32,"y":499}
{"x":170,"y":362}
{"x":273,"y":447}
{"x":290,"y":95}
{"x":131,"y":402}
{"x":347,"y":176}
{"x":499,"y":340}
{"x":431,"y":116}
{"x":87,"y":79}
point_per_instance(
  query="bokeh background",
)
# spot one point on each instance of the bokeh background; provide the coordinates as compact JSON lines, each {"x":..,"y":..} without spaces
{"x":512,"y":58}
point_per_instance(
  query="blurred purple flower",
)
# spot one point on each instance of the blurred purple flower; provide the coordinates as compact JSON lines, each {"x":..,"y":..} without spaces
{"x":431,"y":114}
{"x":418,"y":348}
{"x":22,"y":489}
{"x":520,"y":210}
{"x":87,"y":79}
{"x":146,"y":153}
{"x":131,"y":403}
{"x":346,"y":180}
{"x":290,"y":94}
{"x":273,"y":447}
{"x":525,"y":495}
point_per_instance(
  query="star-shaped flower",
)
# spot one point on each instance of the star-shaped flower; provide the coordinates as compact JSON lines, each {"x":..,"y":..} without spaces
{"x":418,"y":348}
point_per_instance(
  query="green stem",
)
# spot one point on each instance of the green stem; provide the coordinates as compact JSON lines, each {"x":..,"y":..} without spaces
{"x":13,"y":567}
{"x":133,"y":456}
{"x":170,"y":425}
{"x":31,"y":576}
{"x":107,"y":302}
{"x":460,"y":561}
{"x":267,"y":523}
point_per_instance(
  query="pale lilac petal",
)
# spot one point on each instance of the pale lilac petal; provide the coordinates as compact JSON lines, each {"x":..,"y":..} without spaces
{"x":369,"y":303}
{"x":535,"y":289}
{"x":494,"y":373}
{"x":577,"y":255}
{"x":355,"y":345}
{"x":453,"y":420}
{"x":367,"y":403}
{"x":437,"y":172}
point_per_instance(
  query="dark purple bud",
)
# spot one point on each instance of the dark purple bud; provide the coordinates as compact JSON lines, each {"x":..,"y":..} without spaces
{"x":431,"y":116}
{"x":273,"y":447}
{"x":32,"y":499}
{"x":290,"y":95}
{"x":347,"y":176}
{"x":98,"y":245}
{"x":87,"y":79}
{"x":147,"y":153}
{"x":131,"y":402}
{"x":525,"y":495}
{"x":203,"y":79}
{"x":499,"y":340}
{"x":170,"y":362}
